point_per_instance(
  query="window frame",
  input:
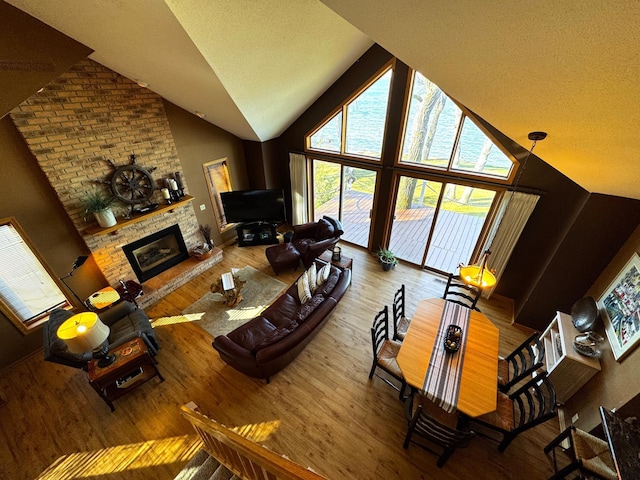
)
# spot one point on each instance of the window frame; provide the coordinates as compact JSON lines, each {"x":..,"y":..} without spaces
{"x":214,"y":194}
{"x":449,"y":171}
{"x":31,"y":325}
{"x":343,"y":107}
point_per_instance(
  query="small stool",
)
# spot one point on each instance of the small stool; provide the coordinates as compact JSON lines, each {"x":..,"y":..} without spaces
{"x":283,"y":256}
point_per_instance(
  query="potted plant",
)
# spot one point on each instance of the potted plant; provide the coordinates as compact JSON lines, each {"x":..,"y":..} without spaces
{"x":100,"y":205}
{"x":387,"y":259}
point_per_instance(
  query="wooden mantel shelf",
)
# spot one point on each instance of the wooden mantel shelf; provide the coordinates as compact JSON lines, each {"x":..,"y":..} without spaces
{"x":97,"y":230}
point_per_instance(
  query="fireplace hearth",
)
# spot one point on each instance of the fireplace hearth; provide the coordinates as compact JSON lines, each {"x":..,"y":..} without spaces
{"x":155,"y":253}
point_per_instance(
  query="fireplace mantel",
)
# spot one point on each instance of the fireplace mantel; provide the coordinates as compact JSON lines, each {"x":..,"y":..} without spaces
{"x":97,"y":230}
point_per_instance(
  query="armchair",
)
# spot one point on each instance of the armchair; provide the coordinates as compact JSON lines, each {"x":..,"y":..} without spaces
{"x":125,"y":321}
{"x":313,"y":238}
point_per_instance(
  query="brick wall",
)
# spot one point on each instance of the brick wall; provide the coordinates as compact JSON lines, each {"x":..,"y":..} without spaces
{"x":81,"y":124}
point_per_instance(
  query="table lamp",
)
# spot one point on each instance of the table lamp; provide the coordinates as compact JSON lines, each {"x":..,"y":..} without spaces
{"x":85,"y":331}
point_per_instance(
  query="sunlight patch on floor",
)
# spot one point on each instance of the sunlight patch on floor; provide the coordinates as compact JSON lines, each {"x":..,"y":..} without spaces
{"x":123,"y":458}
{"x":187,"y":317}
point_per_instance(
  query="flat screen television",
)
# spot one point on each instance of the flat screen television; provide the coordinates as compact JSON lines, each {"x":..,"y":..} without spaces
{"x":244,"y":206}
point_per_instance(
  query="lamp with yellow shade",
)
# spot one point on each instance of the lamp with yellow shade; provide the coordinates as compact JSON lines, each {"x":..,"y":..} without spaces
{"x":84,"y":332}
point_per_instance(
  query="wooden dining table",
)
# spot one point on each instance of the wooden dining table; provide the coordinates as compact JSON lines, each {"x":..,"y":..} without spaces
{"x":476,"y":363}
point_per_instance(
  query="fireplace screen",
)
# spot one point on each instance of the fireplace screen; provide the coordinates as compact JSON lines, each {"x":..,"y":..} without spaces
{"x":156,"y":253}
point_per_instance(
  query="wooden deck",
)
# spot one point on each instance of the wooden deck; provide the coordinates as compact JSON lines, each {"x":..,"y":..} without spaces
{"x":454,"y":237}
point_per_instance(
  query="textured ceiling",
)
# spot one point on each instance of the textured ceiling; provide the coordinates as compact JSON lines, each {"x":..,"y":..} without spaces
{"x":569,"y":68}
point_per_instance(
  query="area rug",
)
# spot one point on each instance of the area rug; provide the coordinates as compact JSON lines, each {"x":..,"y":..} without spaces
{"x":212,"y":315}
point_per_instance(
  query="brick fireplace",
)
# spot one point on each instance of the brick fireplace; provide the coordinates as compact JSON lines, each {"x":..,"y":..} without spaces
{"x":81,"y":125}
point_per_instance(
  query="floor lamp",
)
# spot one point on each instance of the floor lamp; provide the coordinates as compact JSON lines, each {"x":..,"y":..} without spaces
{"x":77,"y":264}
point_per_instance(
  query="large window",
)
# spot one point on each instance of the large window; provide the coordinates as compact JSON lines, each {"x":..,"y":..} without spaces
{"x":29,"y":290}
{"x":439,"y":136}
{"x":218,"y":181}
{"x":357,"y":129}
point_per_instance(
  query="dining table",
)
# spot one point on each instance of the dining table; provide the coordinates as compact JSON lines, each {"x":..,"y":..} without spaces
{"x":465,"y":380}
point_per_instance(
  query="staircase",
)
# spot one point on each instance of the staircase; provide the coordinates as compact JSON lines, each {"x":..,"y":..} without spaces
{"x":249,"y":460}
{"x":204,"y":467}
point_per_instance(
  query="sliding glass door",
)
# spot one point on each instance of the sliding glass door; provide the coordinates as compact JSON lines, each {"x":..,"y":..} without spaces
{"x":345,"y":193}
{"x":437,"y":225}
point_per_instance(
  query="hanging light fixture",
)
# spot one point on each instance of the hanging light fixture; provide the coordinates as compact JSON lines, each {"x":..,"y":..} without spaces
{"x":480,"y":275}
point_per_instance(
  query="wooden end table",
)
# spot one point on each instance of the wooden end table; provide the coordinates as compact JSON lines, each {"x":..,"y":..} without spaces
{"x":133,"y":366}
{"x":344,"y":262}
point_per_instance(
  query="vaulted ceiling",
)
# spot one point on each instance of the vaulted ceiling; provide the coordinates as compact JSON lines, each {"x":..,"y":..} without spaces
{"x":252,"y":67}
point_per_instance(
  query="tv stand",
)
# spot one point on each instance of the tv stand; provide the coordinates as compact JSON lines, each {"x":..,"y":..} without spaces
{"x":256,"y":233}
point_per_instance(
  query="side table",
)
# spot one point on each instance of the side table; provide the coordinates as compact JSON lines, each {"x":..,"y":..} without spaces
{"x":133,"y":367}
{"x":344,"y":262}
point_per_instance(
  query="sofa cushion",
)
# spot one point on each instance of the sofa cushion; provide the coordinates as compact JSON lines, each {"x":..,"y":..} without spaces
{"x":304,"y":293}
{"x":272,"y":338}
{"x":252,"y":333}
{"x":307,"y":308}
{"x":324,"y":230}
{"x":282,"y":311}
{"x":330,"y":283}
{"x":302,"y":244}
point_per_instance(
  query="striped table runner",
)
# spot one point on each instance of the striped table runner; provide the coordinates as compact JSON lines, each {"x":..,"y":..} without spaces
{"x":442,"y":381}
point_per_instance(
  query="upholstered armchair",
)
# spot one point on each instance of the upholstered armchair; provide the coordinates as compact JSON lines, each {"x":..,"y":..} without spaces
{"x":125,"y":321}
{"x":313,"y":238}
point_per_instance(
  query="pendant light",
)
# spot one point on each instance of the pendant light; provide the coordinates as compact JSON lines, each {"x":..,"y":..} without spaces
{"x":480,"y":275}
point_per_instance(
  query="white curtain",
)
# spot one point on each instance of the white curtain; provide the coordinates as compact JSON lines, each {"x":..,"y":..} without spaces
{"x":513,"y":214}
{"x":299,"y":191}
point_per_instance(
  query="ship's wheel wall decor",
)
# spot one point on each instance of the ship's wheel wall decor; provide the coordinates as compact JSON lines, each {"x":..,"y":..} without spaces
{"x":132,"y":184}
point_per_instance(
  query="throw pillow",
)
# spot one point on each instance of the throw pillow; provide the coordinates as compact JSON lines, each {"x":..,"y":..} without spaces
{"x":323,"y":274}
{"x":311,"y":275}
{"x":324,"y":230}
{"x":304,"y":294}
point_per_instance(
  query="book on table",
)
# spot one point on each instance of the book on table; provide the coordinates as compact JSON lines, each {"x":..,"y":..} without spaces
{"x":227,"y":281}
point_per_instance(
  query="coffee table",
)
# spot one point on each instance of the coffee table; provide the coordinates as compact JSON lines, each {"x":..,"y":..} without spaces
{"x":133,"y":366}
{"x":230,"y":286}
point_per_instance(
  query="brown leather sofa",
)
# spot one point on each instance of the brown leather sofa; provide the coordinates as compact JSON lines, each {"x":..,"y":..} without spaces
{"x":266,"y":344}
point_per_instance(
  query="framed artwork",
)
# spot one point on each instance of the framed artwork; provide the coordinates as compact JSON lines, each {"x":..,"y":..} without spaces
{"x":620,"y":309}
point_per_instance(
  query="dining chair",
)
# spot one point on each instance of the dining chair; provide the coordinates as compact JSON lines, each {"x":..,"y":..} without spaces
{"x":385,"y":351}
{"x":459,"y":292}
{"x":587,"y":453}
{"x":433,"y":426}
{"x":400,"y":320}
{"x":520,"y":363}
{"x":532,"y":404}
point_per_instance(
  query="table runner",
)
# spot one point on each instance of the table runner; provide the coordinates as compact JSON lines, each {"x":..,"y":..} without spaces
{"x":442,"y":381}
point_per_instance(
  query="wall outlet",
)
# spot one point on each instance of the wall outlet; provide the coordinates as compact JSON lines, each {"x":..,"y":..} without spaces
{"x":203,"y":207}
{"x":575,"y":418}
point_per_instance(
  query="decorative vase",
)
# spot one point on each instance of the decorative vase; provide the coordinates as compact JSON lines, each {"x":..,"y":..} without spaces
{"x":105,"y":218}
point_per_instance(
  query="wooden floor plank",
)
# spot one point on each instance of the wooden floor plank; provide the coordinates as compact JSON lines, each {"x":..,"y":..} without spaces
{"x":322,"y":410}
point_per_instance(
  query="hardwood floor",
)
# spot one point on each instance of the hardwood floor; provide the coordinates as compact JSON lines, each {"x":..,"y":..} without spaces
{"x":321,"y":411}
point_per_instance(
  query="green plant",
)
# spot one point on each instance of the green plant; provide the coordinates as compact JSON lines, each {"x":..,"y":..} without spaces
{"x":387,"y":256}
{"x":96,"y":201}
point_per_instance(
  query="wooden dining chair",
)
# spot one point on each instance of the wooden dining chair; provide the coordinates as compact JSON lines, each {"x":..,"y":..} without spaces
{"x":385,"y":352}
{"x":400,"y":320}
{"x":459,"y":292}
{"x":521,"y":363}
{"x":587,"y":453}
{"x":428,"y":425}
{"x":532,"y":404}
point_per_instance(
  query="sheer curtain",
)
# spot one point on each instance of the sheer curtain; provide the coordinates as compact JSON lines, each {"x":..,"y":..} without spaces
{"x":513,"y":214}
{"x":299,"y":191}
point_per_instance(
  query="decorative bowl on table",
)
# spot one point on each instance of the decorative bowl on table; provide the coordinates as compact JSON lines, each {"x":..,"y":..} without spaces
{"x":453,"y":338}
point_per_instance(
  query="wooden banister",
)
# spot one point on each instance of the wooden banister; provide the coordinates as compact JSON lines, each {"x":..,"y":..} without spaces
{"x":245,"y":458}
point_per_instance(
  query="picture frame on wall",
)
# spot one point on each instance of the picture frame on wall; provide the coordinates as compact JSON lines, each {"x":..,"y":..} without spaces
{"x":619,"y":306}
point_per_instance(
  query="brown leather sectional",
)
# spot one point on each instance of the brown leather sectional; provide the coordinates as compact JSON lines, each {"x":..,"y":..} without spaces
{"x":266,"y":344}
